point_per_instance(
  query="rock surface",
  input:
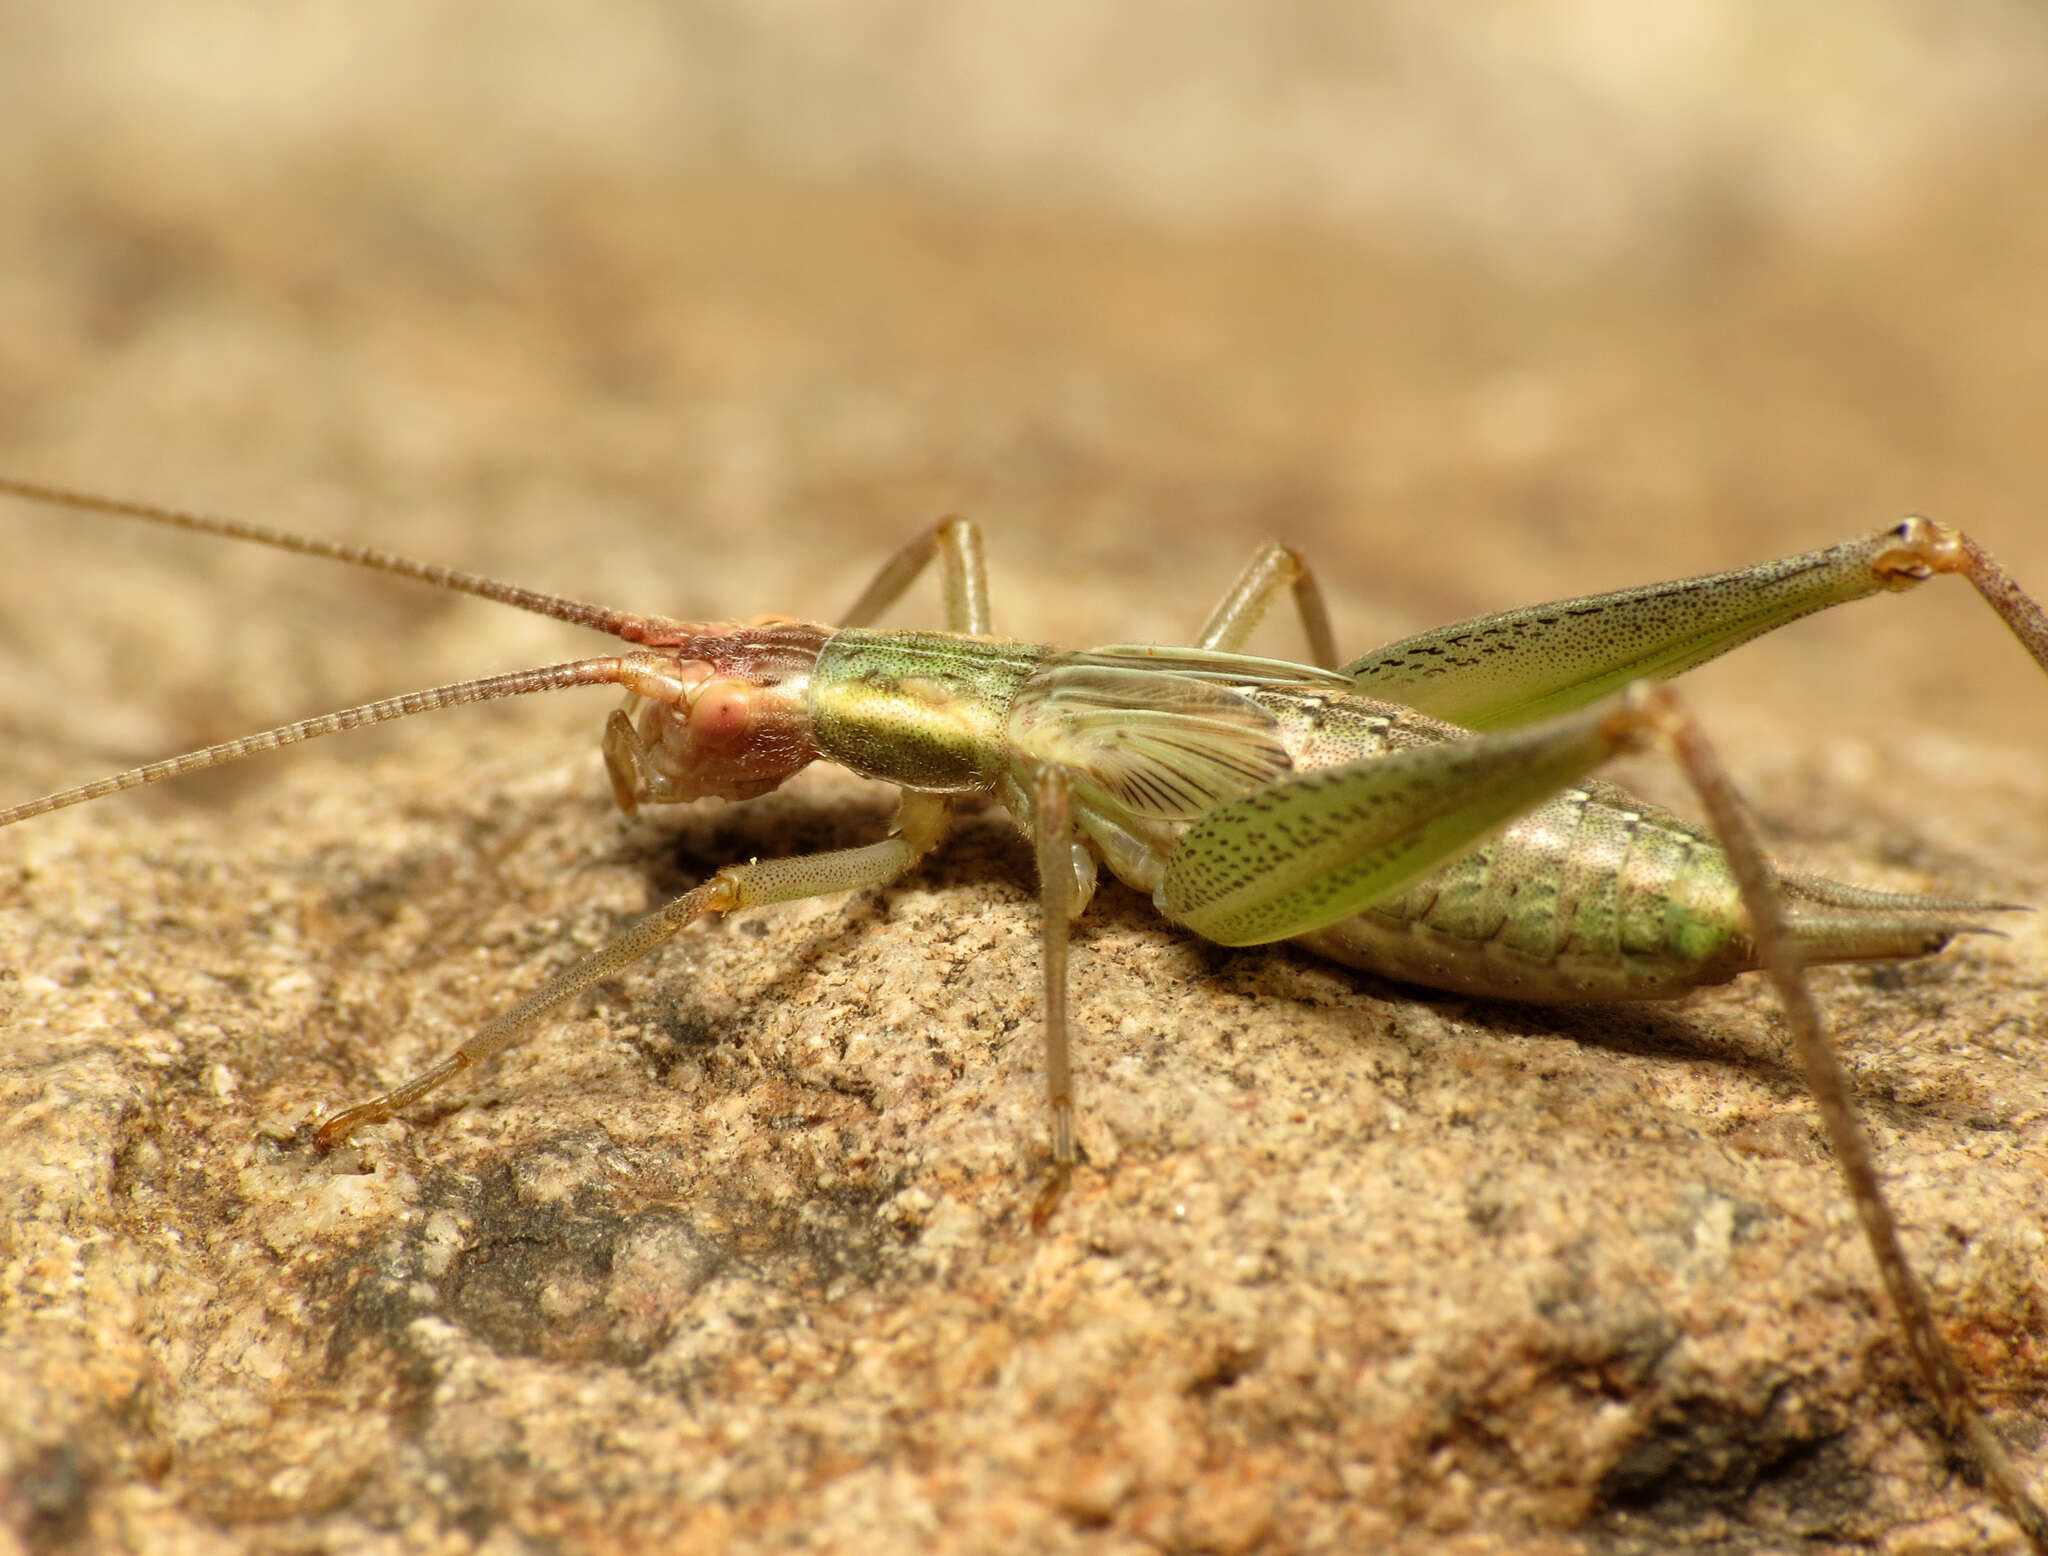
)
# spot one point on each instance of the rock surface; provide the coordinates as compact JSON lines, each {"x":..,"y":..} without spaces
{"x":735,"y":1256}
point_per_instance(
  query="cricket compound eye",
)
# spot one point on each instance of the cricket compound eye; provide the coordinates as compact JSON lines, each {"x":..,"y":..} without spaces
{"x":720,"y":714}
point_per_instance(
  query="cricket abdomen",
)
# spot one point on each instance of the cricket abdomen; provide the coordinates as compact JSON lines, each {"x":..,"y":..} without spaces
{"x":1600,"y":896}
{"x":1593,"y":896}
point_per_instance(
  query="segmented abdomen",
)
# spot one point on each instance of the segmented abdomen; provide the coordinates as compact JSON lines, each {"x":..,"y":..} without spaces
{"x":1595,"y":895}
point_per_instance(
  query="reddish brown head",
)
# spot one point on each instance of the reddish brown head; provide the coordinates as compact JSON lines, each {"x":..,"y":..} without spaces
{"x":726,"y":714}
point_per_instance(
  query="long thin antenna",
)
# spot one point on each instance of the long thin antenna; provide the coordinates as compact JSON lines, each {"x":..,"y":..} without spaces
{"x":620,"y":624}
{"x":609,"y":670}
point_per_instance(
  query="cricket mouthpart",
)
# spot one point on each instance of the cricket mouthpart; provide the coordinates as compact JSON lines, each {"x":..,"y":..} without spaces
{"x":723,"y":714}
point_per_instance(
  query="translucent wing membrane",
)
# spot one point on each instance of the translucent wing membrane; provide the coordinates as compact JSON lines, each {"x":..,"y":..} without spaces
{"x":1165,"y":747}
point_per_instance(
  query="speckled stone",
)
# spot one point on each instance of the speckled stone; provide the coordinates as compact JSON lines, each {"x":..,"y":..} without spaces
{"x":736,"y":1256}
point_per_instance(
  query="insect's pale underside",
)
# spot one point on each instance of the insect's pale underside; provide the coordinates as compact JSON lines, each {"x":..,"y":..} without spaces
{"x":1429,"y":813}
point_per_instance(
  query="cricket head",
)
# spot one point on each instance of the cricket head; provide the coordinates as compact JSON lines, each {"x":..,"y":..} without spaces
{"x":724,"y":712}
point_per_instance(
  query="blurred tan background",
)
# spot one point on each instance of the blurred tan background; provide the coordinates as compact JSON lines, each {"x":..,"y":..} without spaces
{"x":703,"y":309}
{"x":1538,"y":300}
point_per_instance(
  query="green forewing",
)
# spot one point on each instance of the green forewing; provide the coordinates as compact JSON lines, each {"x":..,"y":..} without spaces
{"x":1321,"y":846}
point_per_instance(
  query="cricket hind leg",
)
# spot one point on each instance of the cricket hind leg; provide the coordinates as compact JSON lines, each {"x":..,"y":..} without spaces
{"x":920,"y":824}
{"x":1311,"y":850}
{"x":1496,"y":672}
{"x":1779,"y":950}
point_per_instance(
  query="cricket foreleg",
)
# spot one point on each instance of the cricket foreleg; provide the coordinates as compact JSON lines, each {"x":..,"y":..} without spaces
{"x":1275,"y":568}
{"x":957,"y":544}
{"x":1529,"y":664}
{"x":920,"y":823}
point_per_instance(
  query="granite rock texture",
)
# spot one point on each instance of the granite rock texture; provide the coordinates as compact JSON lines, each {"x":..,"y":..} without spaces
{"x":735,"y":1255}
